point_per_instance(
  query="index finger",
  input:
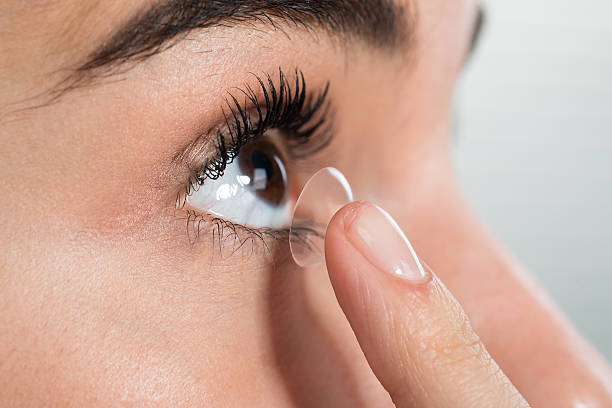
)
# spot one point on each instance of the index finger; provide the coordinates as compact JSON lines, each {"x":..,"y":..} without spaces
{"x":414,"y":334}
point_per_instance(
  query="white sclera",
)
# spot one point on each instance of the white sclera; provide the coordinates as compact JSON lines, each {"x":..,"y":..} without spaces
{"x":322,"y":196}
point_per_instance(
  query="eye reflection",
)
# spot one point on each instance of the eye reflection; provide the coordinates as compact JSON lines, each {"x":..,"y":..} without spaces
{"x":253,"y":190}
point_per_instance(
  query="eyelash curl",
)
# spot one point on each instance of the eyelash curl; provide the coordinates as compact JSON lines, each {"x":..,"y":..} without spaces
{"x":303,"y":120}
{"x":285,"y":106}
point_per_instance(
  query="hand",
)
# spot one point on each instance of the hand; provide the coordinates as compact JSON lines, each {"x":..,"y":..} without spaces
{"x":414,"y":334}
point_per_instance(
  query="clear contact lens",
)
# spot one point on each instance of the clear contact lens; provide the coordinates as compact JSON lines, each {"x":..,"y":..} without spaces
{"x":322,"y":196}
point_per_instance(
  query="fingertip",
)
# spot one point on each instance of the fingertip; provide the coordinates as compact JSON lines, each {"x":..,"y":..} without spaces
{"x":336,"y":240}
{"x":345,"y":216}
{"x":374,"y":234}
{"x":344,"y":262}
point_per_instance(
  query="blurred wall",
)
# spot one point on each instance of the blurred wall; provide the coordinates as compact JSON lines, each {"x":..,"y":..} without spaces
{"x":534,"y":149}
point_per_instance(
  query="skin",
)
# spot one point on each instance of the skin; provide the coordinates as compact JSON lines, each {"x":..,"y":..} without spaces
{"x":104,"y":299}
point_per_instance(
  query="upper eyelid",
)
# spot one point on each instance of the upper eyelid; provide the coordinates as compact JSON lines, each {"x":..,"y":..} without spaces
{"x":279,"y":98}
{"x":190,"y":160}
{"x":197,"y":147}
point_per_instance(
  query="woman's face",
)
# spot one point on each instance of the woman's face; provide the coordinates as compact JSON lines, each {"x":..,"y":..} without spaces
{"x":134,"y":267}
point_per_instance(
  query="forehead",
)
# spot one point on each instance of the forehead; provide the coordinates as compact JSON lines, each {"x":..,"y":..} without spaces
{"x":63,"y":25}
{"x":68,"y":15}
{"x":44,"y":36}
{"x":76,"y":23}
{"x":48,"y":36}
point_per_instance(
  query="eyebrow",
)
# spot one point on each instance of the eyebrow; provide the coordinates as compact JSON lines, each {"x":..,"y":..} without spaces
{"x":380,"y":23}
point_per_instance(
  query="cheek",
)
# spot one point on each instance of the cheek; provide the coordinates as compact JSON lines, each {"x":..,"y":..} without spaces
{"x":111,"y":321}
{"x":122,"y":321}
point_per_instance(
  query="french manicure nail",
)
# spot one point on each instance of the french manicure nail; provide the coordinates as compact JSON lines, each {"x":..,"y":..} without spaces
{"x":378,"y":237}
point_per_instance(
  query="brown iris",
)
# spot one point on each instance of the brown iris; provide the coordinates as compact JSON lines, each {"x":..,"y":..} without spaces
{"x":262,"y":163}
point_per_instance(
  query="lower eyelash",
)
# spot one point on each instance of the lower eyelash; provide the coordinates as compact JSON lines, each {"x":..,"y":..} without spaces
{"x":244,"y":240}
{"x":240,"y":238}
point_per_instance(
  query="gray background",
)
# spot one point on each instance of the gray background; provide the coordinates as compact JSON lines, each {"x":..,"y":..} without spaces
{"x":534,"y":151}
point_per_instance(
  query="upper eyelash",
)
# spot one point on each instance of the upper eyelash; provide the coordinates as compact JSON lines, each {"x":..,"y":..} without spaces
{"x":284,"y":106}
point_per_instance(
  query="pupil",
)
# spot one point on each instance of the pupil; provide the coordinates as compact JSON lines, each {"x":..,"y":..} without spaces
{"x":266,"y":171}
{"x":261,"y":162}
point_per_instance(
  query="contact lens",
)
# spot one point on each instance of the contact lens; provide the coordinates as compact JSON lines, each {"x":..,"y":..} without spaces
{"x":322,"y":196}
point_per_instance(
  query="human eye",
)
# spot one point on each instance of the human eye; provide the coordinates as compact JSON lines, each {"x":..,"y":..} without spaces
{"x":250,"y":175}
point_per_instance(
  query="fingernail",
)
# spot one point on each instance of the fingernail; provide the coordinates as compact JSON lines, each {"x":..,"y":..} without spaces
{"x":377,"y":236}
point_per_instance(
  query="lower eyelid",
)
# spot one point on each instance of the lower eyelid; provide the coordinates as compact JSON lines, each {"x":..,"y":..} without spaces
{"x":231,"y":239}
